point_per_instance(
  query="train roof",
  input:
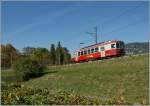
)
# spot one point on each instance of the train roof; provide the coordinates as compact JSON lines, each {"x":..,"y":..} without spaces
{"x":101,"y":43}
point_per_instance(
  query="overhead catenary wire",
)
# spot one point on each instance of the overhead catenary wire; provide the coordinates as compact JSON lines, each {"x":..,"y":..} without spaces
{"x":123,"y":27}
{"x":114,"y":18}
{"x":120,"y":15}
{"x":126,"y":26}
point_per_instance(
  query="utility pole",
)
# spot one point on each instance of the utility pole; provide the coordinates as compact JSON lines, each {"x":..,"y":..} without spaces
{"x":94,"y":33}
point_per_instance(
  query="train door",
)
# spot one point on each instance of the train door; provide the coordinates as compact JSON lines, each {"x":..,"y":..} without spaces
{"x":102,"y":49}
{"x":76,"y":55}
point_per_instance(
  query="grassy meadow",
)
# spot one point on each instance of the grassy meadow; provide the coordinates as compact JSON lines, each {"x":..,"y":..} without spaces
{"x":123,"y":76}
{"x":7,"y":76}
{"x":127,"y":76}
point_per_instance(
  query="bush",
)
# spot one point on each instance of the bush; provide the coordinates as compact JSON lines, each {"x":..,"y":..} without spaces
{"x":30,"y":96}
{"x":27,"y":68}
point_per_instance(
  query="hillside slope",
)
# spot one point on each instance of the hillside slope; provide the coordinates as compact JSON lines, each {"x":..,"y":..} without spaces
{"x":127,"y":76}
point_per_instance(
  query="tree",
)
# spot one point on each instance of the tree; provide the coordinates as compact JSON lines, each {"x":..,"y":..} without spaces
{"x":62,"y":55}
{"x":59,"y":55}
{"x":41,"y":54}
{"x":28,"y":50}
{"x":66,"y":55}
{"x":8,"y":55}
{"x":26,"y":68}
{"x":52,"y":54}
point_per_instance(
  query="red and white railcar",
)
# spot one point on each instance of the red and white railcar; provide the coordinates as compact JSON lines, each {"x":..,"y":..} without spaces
{"x":100,"y":50}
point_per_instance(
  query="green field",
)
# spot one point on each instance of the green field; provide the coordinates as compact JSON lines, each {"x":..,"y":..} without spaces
{"x":124,"y":76}
{"x":7,"y":76}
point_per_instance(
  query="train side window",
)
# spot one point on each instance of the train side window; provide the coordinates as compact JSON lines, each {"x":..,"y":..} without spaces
{"x":82,"y":53}
{"x":96,"y":49}
{"x":78,"y":53}
{"x":85,"y":52}
{"x":112,"y":45}
{"x":89,"y":51}
{"x":123,"y":46}
{"x":102,"y":48}
{"x":117,"y":45}
{"x":92,"y":50}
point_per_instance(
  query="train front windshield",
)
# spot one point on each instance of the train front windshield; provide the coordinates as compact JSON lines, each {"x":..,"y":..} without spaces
{"x":120,"y":45}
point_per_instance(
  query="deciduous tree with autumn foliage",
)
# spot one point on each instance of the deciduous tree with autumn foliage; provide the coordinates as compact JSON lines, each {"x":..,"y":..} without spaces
{"x":8,"y":55}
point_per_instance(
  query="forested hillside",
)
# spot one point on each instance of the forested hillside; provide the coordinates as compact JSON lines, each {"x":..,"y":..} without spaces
{"x":137,"y":48}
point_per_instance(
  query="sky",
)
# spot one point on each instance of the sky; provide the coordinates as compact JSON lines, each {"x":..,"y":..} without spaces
{"x":41,"y":23}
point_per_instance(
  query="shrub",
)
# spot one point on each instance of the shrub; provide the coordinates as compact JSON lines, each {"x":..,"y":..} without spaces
{"x":30,"y":96}
{"x":27,"y":68}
